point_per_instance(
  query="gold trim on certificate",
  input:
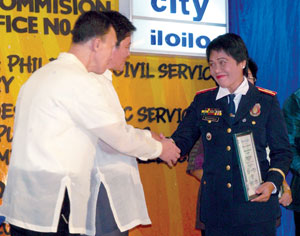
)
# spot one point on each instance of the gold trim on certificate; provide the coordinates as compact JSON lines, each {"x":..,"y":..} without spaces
{"x":248,"y":162}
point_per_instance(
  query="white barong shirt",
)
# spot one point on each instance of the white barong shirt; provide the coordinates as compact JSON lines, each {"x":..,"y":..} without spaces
{"x":61,"y":114}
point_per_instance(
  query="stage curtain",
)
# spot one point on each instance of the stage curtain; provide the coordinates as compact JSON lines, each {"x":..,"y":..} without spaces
{"x":270,"y":30}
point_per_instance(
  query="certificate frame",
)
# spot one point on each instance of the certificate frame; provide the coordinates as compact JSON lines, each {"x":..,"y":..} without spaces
{"x":248,"y":163}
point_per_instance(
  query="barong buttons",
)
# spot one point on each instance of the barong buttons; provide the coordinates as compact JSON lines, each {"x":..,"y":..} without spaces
{"x":228,"y":167}
{"x":228,"y":148}
{"x":228,"y":130}
{"x":228,"y":185}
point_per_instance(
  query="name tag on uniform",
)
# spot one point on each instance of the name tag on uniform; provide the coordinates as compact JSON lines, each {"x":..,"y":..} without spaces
{"x":211,"y":114}
{"x":248,"y":163}
{"x":210,"y":119}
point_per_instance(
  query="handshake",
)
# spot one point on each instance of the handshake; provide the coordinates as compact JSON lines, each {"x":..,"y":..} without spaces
{"x":170,"y":152}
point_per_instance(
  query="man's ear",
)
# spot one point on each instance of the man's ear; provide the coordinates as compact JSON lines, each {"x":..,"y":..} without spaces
{"x":96,"y":43}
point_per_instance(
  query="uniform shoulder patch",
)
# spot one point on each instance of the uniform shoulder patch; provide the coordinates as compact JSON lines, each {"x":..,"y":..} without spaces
{"x":205,"y":90}
{"x":266,"y":91}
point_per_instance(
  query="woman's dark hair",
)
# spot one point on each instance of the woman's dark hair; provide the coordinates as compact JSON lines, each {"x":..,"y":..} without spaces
{"x":252,"y":67}
{"x":232,"y":45}
{"x":89,"y":25}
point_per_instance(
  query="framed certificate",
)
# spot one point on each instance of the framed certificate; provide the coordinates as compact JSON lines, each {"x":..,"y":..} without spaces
{"x":248,"y":162}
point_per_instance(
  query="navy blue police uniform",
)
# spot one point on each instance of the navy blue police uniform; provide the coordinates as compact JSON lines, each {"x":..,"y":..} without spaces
{"x":223,"y":203}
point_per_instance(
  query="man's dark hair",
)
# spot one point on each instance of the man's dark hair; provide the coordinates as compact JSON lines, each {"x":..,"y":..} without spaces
{"x":89,"y":25}
{"x":121,"y":24}
{"x":252,"y":67}
{"x":232,"y":45}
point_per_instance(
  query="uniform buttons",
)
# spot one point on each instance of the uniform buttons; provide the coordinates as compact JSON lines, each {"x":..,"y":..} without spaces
{"x":253,"y":122}
{"x":228,"y":148}
{"x":228,"y":168}
{"x":228,"y":130}
{"x":228,"y":185}
{"x":204,"y":182}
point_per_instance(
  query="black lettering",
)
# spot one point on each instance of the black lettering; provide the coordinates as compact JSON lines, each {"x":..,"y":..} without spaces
{"x":66,"y":9}
{"x":32,"y":64}
{"x":27,"y":64}
{"x":128,"y":108}
{"x":204,"y":74}
{"x":151,"y":114}
{"x":15,"y":26}
{"x":4,"y":130}
{"x":7,"y":110}
{"x":58,"y":26}
{"x":13,"y":60}
{"x":6,"y":82}
{"x":134,"y":69}
{"x":54,"y":27}
{"x":75,"y":8}
{"x":160,"y":112}
{"x":101,"y":7}
{"x":148,"y":75}
{"x":41,"y":4}
{"x":182,"y":115}
{"x":65,"y":27}
{"x":32,"y":25}
{"x":91,"y":6}
{"x":170,"y":116}
{"x":143,"y":70}
{"x":163,"y":69}
{"x":172,"y":71}
{"x":192,"y":72}
{"x":8,"y":7}
{"x":37,"y":63}
{"x":5,"y":156}
{"x":118,"y":73}
{"x":55,"y":6}
{"x":21,"y":3}
{"x":19,"y":24}
{"x":182,"y":68}
{"x":142,"y":112}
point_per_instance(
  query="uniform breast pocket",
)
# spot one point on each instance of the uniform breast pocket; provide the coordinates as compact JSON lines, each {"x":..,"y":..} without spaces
{"x":211,"y":132}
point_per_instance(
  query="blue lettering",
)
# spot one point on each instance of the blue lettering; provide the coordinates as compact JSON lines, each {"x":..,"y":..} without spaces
{"x":156,"y":8}
{"x":200,"y":39}
{"x":153,"y":37}
{"x":183,"y":40}
{"x":187,"y":39}
{"x":169,"y":42}
{"x":191,"y":40}
{"x":200,"y":10}
{"x":183,"y":6}
{"x":173,"y":6}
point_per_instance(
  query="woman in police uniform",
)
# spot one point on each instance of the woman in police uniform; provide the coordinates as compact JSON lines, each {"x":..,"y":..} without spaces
{"x":224,"y":208}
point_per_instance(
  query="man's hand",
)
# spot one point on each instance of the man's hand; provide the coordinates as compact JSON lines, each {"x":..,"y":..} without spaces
{"x":156,"y":136}
{"x":170,"y":152}
{"x":264,"y":191}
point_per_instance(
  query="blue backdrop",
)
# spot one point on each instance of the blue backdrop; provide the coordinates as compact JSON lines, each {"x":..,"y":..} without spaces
{"x":271,"y":31}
